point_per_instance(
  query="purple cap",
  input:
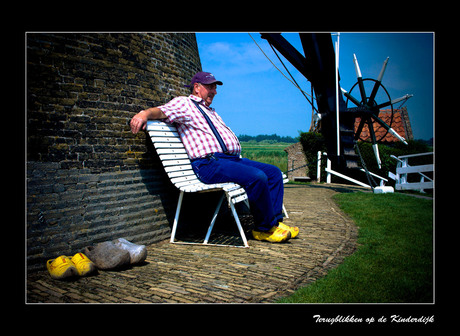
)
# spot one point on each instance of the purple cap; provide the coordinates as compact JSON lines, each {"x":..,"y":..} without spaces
{"x":204,"y":78}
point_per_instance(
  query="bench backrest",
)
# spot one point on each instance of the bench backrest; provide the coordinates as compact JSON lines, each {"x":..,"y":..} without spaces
{"x":175,"y":160}
{"x":172,"y":153}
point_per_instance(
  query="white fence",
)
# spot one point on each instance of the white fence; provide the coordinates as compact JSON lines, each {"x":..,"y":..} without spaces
{"x":331,"y":172}
{"x":403,"y":169}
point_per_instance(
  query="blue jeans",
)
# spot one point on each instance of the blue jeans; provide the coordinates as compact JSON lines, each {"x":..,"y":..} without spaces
{"x":263,"y":184}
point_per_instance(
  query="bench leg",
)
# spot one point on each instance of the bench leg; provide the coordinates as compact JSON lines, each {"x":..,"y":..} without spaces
{"x":208,"y":234}
{"x":238,"y":223}
{"x":176,"y":218}
{"x":285,"y":212}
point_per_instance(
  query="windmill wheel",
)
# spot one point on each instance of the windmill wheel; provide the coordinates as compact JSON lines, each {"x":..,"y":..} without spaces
{"x":368,"y":110}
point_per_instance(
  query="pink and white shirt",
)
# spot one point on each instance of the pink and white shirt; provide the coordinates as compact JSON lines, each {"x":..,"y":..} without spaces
{"x":194,"y":130}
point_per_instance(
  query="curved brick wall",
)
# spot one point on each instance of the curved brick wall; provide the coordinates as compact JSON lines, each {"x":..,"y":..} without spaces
{"x":89,"y":179}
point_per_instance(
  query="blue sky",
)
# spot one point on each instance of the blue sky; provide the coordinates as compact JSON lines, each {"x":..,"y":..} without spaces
{"x":257,"y":99}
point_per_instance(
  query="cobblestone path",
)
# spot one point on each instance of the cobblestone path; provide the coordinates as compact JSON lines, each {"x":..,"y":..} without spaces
{"x":176,"y":273}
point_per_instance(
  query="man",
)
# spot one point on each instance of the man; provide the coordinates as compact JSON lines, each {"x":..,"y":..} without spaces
{"x":214,"y":151}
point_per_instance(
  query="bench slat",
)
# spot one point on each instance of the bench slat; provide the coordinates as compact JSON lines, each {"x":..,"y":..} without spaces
{"x":188,"y":183}
{"x":175,"y":162}
{"x":236,"y":192}
{"x":239,"y":198}
{"x":168,"y":145}
{"x":178,"y":168}
{"x":176,"y":180}
{"x":173,"y":156}
{"x":231,"y":186}
{"x":181,"y":173}
{"x":201,"y":188}
{"x":156,"y":125}
{"x":164,"y":134}
{"x":164,"y":139}
{"x":171,"y":151}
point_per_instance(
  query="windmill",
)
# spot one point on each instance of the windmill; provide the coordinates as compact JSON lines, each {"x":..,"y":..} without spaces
{"x":320,"y":67}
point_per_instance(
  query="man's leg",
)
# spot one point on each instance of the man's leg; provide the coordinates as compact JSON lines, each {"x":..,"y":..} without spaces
{"x":275,"y":185}
{"x":263,"y":184}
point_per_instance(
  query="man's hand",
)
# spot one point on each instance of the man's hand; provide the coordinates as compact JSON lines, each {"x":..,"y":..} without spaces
{"x":139,"y":121}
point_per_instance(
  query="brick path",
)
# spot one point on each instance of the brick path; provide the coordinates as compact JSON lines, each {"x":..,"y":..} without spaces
{"x":205,"y":274}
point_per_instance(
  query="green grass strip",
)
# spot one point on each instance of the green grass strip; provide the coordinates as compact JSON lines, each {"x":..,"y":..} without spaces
{"x":394,"y":258}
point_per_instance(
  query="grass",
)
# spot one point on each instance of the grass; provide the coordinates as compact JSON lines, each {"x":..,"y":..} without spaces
{"x":394,"y":259}
{"x":267,"y":153}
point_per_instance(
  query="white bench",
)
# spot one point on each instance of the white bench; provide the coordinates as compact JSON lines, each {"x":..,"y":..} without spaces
{"x":177,"y":165}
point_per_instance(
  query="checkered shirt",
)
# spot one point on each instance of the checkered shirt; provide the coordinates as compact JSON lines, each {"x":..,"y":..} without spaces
{"x":193,"y":129}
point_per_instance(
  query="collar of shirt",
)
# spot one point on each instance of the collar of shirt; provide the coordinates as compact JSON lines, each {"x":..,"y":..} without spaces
{"x":201,"y":102}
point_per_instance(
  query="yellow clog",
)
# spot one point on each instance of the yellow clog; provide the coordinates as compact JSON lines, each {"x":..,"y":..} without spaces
{"x":83,"y":264}
{"x":275,"y":235}
{"x":294,"y":230}
{"x":61,"y":267}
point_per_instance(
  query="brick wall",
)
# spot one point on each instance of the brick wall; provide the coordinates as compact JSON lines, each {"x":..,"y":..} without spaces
{"x":296,"y":162}
{"x":89,"y":179}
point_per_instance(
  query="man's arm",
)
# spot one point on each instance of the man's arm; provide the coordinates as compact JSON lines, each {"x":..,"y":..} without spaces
{"x":139,"y":121}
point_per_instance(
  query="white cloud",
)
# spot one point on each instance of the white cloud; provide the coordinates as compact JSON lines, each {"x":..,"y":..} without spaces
{"x":233,"y":58}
